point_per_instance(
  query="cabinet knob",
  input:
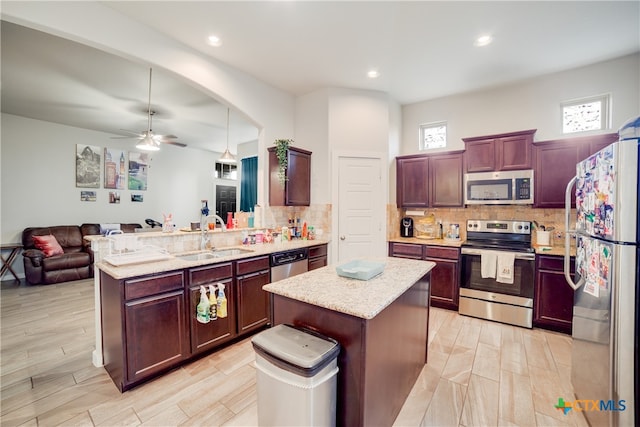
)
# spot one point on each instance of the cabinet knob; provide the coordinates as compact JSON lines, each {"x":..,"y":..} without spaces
{"x":342,"y":237}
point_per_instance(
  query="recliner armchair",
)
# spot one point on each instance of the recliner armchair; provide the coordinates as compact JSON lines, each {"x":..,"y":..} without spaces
{"x":73,"y":264}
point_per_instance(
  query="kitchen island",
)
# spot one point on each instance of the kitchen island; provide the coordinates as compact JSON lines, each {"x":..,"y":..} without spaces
{"x":381,"y":325}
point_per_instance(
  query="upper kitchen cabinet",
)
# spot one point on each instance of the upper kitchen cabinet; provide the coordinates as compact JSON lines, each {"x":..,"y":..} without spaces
{"x":555,"y":165}
{"x":502,"y":152}
{"x":425,"y":181}
{"x":412,"y":181}
{"x":296,"y":190}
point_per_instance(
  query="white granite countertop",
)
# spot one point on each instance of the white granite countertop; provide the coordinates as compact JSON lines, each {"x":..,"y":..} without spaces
{"x":429,"y":242}
{"x":365,"y":299}
{"x":175,"y":263}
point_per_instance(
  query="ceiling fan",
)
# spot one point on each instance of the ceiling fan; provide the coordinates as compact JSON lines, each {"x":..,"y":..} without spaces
{"x":148,"y":140}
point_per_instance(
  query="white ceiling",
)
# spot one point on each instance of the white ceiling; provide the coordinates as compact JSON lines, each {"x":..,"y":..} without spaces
{"x":422,"y":49}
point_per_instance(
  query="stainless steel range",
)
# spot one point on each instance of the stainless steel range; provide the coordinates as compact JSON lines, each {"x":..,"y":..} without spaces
{"x":498,"y":272}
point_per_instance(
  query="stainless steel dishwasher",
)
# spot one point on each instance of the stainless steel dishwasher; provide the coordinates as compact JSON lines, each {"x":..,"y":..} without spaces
{"x":289,"y":263}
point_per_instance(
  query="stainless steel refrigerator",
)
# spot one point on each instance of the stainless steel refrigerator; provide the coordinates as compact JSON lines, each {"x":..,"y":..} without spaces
{"x":606,"y":299}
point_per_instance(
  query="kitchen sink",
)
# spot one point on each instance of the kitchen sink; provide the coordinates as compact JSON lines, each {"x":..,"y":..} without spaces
{"x":196,"y":257}
{"x":215,"y":253}
{"x":218,"y":253}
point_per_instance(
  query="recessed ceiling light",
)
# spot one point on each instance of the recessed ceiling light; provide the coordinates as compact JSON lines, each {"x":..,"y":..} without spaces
{"x":373,"y":74}
{"x":214,"y":40}
{"x":483,"y":40}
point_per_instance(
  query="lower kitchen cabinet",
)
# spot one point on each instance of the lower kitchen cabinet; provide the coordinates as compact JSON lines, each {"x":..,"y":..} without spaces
{"x":553,"y":297}
{"x":144,"y":326}
{"x":254,"y":305}
{"x":206,"y":336}
{"x":149,"y":324}
{"x":445,"y":276}
{"x":317,"y":257}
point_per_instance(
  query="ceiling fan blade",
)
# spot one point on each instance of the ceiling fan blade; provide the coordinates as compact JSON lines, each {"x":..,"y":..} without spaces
{"x":177,"y":144}
{"x":126,"y":137}
{"x":131,"y":132}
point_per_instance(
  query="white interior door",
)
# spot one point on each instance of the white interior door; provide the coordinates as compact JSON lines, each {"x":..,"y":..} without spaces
{"x":361,"y":208}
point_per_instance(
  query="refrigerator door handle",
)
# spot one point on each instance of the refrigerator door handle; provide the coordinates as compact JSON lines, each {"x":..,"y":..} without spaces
{"x":567,"y":238}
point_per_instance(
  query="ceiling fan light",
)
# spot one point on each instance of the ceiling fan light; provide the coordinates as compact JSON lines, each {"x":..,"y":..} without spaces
{"x":227,"y":157}
{"x":147,"y":144}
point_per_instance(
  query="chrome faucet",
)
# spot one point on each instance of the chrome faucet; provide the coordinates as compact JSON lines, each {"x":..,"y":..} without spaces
{"x":204,"y":229}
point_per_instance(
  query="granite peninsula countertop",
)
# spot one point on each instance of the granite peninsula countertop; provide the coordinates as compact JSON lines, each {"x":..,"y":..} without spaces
{"x":175,"y":263}
{"x":365,"y":299}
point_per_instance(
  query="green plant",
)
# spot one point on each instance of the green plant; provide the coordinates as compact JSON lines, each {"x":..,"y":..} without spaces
{"x":282,"y":146}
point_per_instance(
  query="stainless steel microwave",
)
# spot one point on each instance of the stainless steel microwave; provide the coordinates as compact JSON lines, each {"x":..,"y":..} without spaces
{"x":499,"y":188}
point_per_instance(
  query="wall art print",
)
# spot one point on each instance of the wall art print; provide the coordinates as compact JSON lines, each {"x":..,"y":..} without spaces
{"x":137,"y":197}
{"x":138,"y":170}
{"x":87,"y":166}
{"x":88,"y":196}
{"x":114,"y":197}
{"x":115,"y":174}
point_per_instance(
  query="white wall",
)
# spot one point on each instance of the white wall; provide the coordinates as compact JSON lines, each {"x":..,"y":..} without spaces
{"x":312,"y":120}
{"x":38,"y":180}
{"x":97,"y":25}
{"x":533,"y":104}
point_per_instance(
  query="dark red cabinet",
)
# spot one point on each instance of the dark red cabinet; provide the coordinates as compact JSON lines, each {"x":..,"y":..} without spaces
{"x":206,"y":336}
{"x":144,"y":326}
{"x":445,"y":276}
{"x":317,"y":257}
{"x":555,"y":165}
{"x":501,"y":152}
{"x":412,"y":181}
{"x":254,"y":307}
{"x":296,"y":190}
{"x":553,"y":297}
{"x":433,"y":180}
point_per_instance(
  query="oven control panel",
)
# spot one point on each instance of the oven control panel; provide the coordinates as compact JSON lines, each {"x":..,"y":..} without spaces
{"x":499,"y":226}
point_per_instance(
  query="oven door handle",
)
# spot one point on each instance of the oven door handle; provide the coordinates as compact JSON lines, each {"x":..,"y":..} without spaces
{"x":517,"y":255}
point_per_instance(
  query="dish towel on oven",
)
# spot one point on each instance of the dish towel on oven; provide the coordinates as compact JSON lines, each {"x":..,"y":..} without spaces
{"x":505,"y":268}
{"x":488,"y":264}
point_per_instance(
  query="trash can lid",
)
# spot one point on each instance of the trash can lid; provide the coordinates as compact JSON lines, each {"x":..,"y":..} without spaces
{"x":302,"y":348}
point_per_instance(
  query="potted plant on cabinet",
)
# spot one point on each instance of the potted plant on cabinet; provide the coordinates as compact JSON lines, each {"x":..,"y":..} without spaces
{"x":282,"y":146}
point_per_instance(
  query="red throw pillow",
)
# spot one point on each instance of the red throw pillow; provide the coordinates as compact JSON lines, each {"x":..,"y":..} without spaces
{"x":48,"y":244}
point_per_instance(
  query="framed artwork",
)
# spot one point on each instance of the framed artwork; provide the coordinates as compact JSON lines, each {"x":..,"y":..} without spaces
{"x":87,"y":166}
{"x":136,"y":197}
{"x":114,"y":197}
{"x":138,"y":170}
{"x":88,"y":196}
{"x":115,"y":174}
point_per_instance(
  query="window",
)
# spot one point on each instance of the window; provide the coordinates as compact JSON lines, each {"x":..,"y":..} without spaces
{"x":226,"y":171}
{"x":433,"y":135}
{"x":586,"y":114}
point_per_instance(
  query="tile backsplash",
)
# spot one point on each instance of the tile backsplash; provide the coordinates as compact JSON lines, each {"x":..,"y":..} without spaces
{"x":318,"y":216}
{"x":546,"y":217}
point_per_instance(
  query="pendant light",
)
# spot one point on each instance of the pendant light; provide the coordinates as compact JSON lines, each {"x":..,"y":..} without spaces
{"x":227,"y":157}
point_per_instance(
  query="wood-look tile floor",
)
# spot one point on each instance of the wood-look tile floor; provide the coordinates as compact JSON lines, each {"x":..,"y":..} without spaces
{"x":479,"y":373}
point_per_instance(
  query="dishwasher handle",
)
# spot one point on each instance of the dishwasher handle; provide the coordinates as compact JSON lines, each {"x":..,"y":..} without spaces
{"x":288,"y":257}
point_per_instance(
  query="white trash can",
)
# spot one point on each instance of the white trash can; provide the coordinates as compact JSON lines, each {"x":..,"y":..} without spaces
{"x":296,"y":378}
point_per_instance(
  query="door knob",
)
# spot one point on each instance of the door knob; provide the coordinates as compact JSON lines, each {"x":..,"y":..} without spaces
{"x":342,"y":237}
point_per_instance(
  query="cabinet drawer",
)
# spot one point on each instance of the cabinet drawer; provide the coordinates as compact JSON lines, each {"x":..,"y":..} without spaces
{"x":250,"y":265}
{"x":208,"y":274}
{"x":319,"y":262}
{"x":554,"y":263}
{"x":405,"y":250}
{"x":151,"y":285}
{"x":441,"y":252}
{"x":316,"y":251}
